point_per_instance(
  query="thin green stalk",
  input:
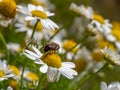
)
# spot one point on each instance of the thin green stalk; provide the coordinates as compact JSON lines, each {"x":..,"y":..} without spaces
{"x":4,"y":42}
{"x":55,"y":34}
{"x":40,"y":79}
{"x":1,"y":84}
{"x":91,"y":76}
{"x":80,"y":42}
{"x":21,"y":82}
{"x":34,"y":29}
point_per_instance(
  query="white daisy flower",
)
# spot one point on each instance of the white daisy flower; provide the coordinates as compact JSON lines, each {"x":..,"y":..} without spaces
{"x":102,"y":28}
{"x":85,"y":11}
{"x":13,"y":47}
{"x":35,"y":13}
{"x":112,"y":86}
{"x":31,"y":76}
{"x":5,"y":72}
{"x":24,"y":26}
{"x":8,"y":88}
{"x":51,"y":64}
{"x":111,"y":56}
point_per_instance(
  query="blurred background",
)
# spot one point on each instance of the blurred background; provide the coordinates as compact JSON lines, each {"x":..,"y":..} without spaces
{"x":109,"y":9}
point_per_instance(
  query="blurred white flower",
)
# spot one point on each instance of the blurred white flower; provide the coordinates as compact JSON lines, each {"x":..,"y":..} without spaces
{"x":5,"y":71}
{"x":111,"y":56}
{"x":112,"y":86}
{"x":85,"y":11}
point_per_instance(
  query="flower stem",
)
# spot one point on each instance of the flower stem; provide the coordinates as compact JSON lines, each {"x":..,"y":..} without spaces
{"x":91,"y":76}
{"x":4,"y":42}
{"x":38,"y":86}
{"x":55,"y":34}
{"x":23,"y":69}
{"x":34,"y":29}
{"x":80,"y":42}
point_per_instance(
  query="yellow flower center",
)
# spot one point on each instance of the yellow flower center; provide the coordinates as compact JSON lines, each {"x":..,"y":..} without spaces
{"x":1,"y":73}
{"x":97,"y":56}
{"x":15,"y":70}
{"x":102,"y":43}
{"x":39,"y":26}
{"x":39,"y":13}
{"x":116,"y":30}
{"x":80,"y":65}
{"x":13,"y":83}
{"x":8,"y":8}
{"x":52,"y":59}
{"x":32,"y":76}
{"x":99,"y":18}
{"x":35,"y":2}
{"x":68,"y":44}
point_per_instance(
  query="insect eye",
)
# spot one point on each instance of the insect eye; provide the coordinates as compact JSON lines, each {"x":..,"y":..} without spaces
{"x":46,"y":48}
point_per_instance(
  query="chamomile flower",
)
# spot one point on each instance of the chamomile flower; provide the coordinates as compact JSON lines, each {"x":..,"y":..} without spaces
{"x":112,"y":86}
{"x":8,"y":88}
{"x":8,"y":8}
{"x":30,"y":76}
{"x":34,"y":13}
{"x":13,"y":47}
{"x":51,"y":64}
{"x":16,"y":72}
{"x":5,"y":72}
{"x":85,"y":11}
{"x":111,"y":56}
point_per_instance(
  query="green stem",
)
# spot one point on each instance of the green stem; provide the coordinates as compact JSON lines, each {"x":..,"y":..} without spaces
{"x":55,"y":34}
{"x":23,"y":69}
{"x":91,"y":76}
{"x":80,"y":42}
{"x":34,"y":29}
{"x":40,"y":82}
{"x":4,"y":42}
{"x":1,"y":84}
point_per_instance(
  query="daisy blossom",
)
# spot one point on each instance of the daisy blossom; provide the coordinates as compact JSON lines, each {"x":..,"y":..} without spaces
{"x":5,"y":72}
{"x":112,"y":86}
{"x":85,"y":11}
{"x":111,"y":56}
{"x":34,"y":13}
{"x":51,"y":64}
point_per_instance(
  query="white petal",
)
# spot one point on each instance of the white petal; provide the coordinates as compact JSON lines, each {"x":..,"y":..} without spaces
{"x":31,"y":7}
{"x":103,"y":86}
{"x":49,"y":14}
{"x":28,"y":18}
{"x":52,"y":74}
{"x":65,"y":73}
{"x":29,"y":56}
{"x":58,"y":76}
{"x":53,"y":24}
{"x":22,"y":9}
{"x":37,"y":51}
{"x":68,"y":64}
{"x":32,"y":53}
{"x":44,"y":68}
{"x":40,"y":8}
{"x":33,"y":22}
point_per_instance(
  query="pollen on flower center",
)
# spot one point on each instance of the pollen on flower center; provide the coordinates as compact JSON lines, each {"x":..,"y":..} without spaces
{"x":52,"y":59}
{"x":39,"y":13}
{"x":8,"y":8}
{"x":1,"y":73}
{"x":99,"y":18}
